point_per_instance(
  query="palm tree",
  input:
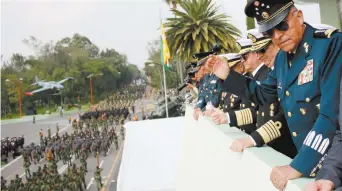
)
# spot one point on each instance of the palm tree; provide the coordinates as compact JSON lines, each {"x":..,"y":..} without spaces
{"x":173,"y":3}
{"x":197,"y":28}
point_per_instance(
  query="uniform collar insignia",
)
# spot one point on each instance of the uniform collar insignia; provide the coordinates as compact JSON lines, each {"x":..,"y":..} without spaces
{"x":306,"y":41}
{"x":306,"y":46}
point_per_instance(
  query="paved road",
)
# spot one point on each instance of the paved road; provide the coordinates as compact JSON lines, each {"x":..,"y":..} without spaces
{"x":110,"y":163}
{"x":31,"y":132}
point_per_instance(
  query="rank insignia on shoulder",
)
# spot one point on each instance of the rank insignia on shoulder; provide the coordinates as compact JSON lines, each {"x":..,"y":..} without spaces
{"x":306,"y":75}
{"x":324,"y":33}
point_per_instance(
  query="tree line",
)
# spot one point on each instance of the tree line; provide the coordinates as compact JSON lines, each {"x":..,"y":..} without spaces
{"x":75,"y":57}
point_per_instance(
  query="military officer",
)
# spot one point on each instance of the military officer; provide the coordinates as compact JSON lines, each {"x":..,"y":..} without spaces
{"x":271,"y":122}
{"x":214,"y":87}
{"x":304,"y":78}
{"x":244,"y":117}
{"x":202,"y":92}
{"x":211,"y":89}
{"x":229,"y":101}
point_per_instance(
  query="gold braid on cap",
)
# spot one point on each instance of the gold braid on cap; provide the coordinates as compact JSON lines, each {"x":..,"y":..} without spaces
{"x":276,"y":13}
{"x":259,"y":45}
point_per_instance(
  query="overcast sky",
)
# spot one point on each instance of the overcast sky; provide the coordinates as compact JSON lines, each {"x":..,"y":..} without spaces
{"x":125,"y":25}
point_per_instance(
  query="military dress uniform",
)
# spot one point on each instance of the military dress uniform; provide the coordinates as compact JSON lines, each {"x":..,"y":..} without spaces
{"x":214,"y":90}
{"x":249,"y":114}
{"x":305,"y":83}
{"x":229,"y":102}
{"x":272,"y":128}
{"x":244,"y":117}
{"x":202,"y":92}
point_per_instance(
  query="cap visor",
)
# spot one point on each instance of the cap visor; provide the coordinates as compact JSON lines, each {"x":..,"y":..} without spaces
{"x":275,"y":21}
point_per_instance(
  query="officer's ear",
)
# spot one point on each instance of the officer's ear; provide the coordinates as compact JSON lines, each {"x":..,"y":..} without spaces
{"x":300,"y":16}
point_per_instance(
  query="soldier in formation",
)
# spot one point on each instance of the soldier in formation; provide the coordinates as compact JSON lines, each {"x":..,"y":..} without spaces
{"x":94,"y":132}
{"x":97,"y":176}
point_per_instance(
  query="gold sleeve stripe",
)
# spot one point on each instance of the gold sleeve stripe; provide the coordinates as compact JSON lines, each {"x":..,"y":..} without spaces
{"x":263,"y":133}
{"x":238,"y":118}
{"x":275,"y":128}
{"x":270,"y":131}
{"x":244,"y":117}
{"x":250,"y":117}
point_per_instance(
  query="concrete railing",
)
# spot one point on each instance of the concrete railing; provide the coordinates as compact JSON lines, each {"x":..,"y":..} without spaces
{"x":206,"y":162}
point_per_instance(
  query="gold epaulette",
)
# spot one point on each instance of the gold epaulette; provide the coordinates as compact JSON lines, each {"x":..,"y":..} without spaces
{"x":324,"y":33}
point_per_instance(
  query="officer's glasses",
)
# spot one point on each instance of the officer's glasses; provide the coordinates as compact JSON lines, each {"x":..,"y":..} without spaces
{"x":244,"y":57}
{"x":282,"y":26}
{"x":263,"y":50}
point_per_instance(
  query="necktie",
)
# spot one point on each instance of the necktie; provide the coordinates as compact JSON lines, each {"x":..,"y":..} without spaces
{"x":290,"y":57}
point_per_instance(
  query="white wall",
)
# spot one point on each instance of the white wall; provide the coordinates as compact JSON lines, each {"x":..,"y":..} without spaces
{"x":187,"y":155}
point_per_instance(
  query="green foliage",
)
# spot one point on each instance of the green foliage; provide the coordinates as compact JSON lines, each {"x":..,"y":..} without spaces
{"x":75,"y":57}
{"x":197,"y":28}
{"x":250,"y":23}
{"x":156,"y":72}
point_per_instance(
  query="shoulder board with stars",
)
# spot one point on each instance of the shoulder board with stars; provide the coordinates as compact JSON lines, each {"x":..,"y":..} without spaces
{"x":324,"y":33}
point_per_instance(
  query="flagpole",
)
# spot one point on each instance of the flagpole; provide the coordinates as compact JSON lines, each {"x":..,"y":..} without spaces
{"x":166,"y":106}
{"x":163,"y":65}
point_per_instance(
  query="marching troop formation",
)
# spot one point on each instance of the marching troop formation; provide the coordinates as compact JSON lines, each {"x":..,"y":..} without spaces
{"x":11,"y":146}
{"x":93,"y":134}
{"x":282,"y":89}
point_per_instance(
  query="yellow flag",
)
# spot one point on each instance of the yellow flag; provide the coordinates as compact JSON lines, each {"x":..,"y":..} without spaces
{"x":165,"y":47}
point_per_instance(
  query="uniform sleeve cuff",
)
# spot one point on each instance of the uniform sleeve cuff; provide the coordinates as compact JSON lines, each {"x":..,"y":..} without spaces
{"x":254,"y":143}
{"x":228,"y":118}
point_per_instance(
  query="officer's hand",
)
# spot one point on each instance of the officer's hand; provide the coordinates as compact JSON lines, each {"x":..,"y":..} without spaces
{"x":219,"y":117}
{"x":281,"y":174}
{"x":240,"y":144}
{"x":220,"y":66}
{"x":190,"y":86}
{"x":320,"y":185}
{"x":209,"y":109}
{"x":196,"y":113}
